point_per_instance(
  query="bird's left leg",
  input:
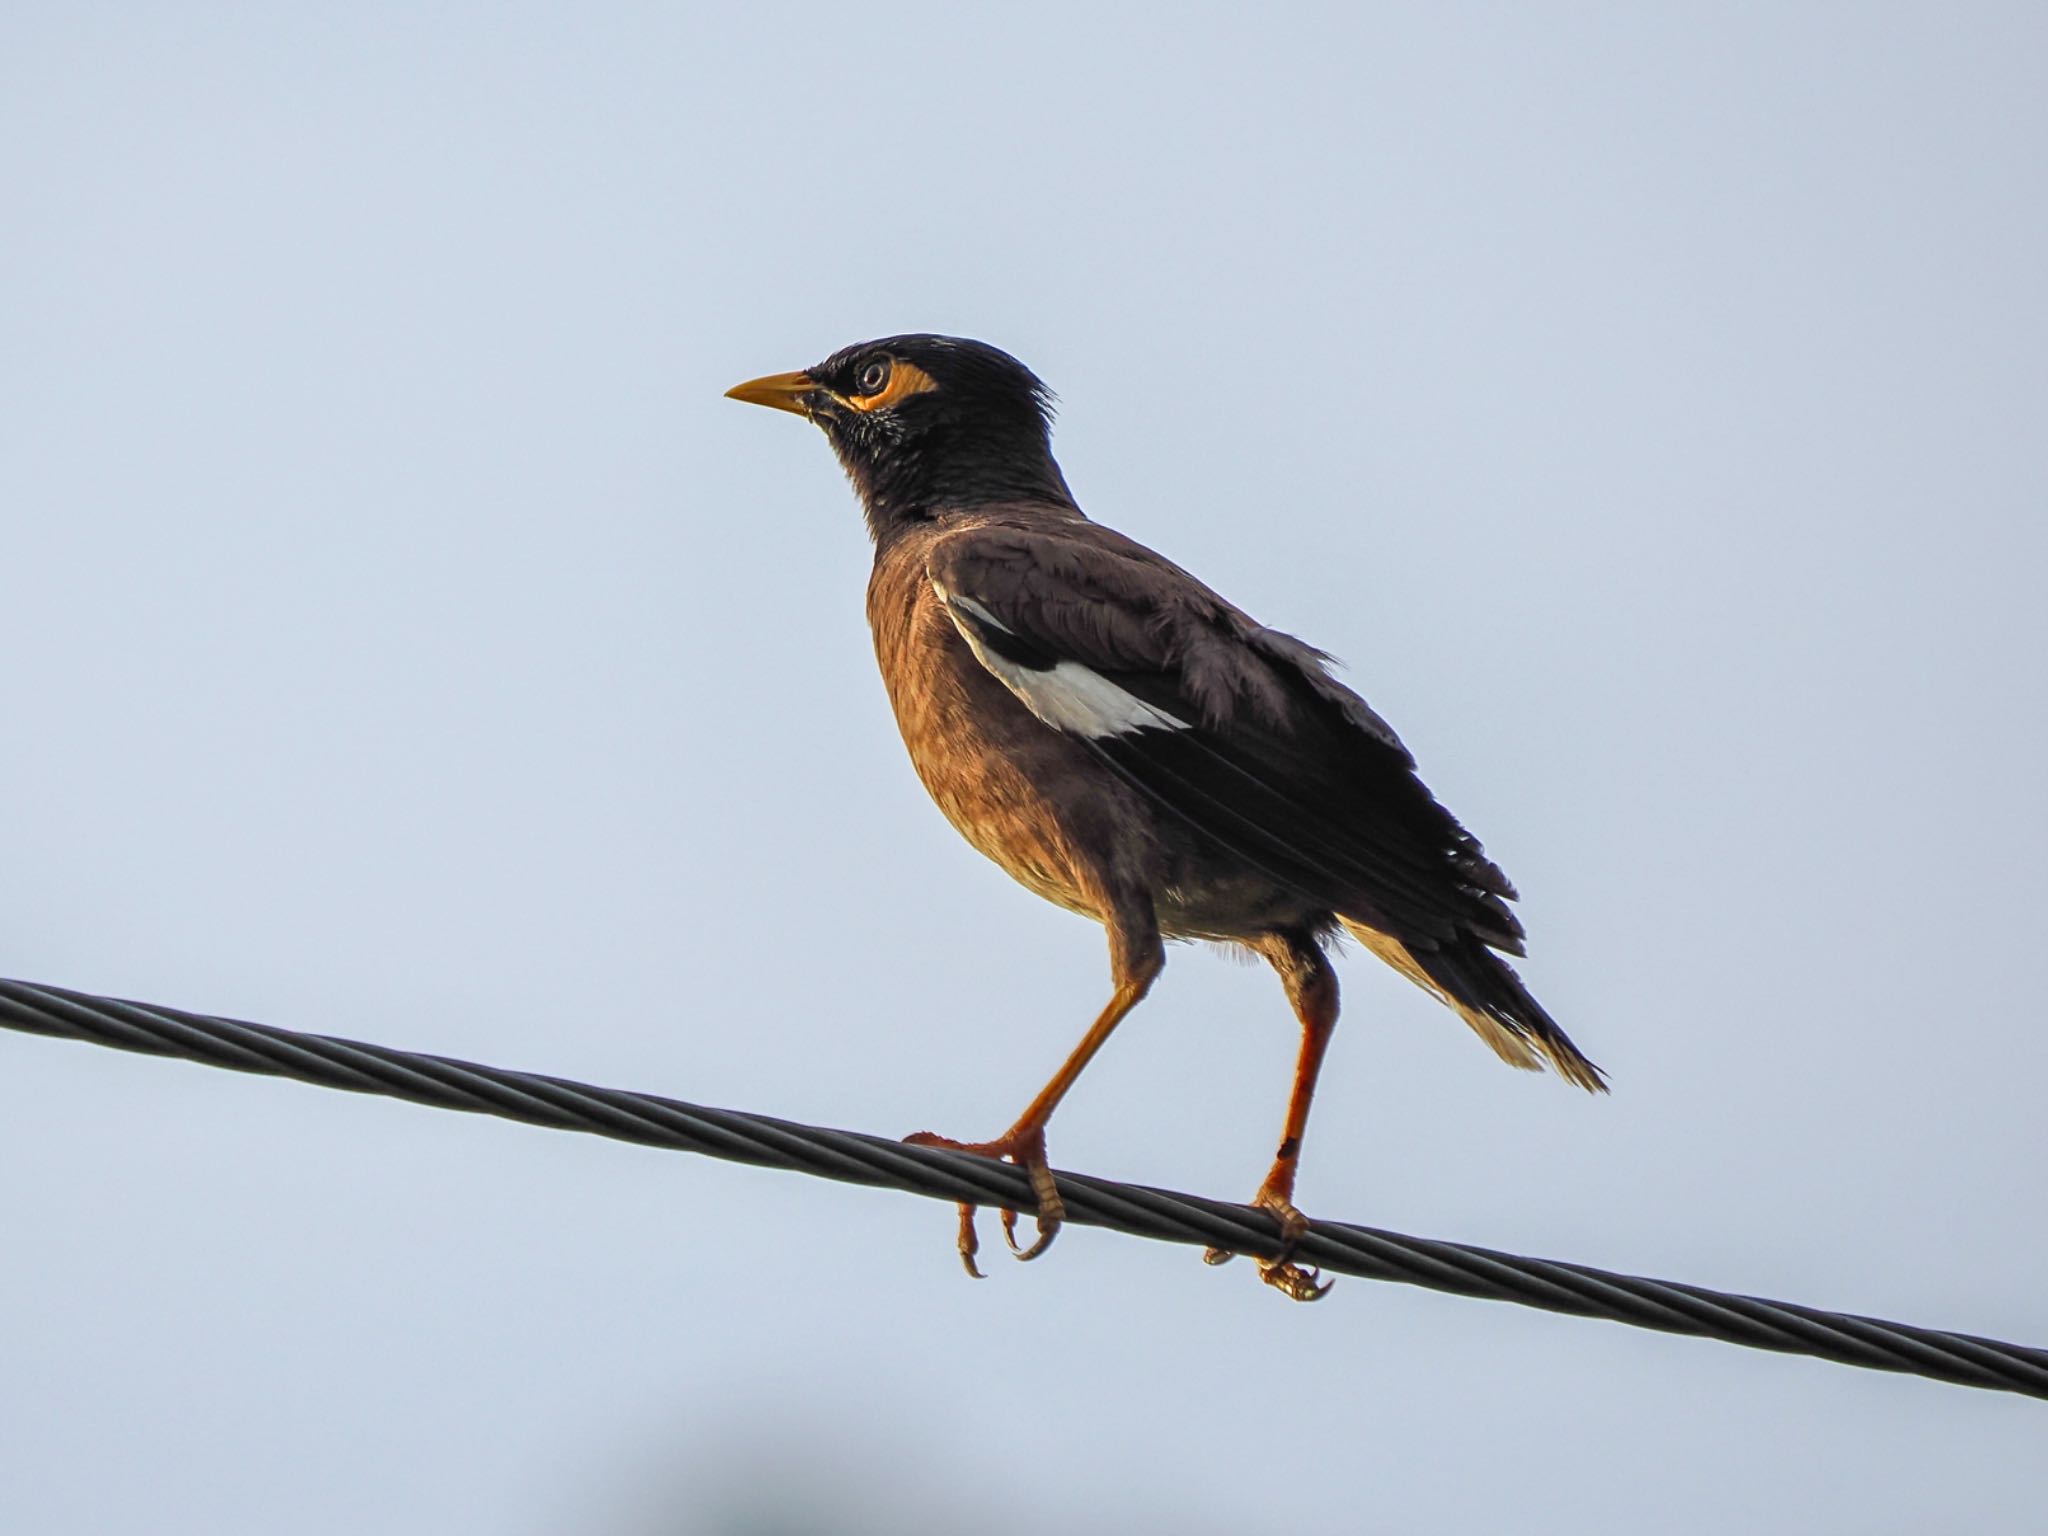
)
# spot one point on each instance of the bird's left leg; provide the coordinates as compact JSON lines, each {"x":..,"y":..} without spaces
{"x":1312,"y":989}
{"x":1136,"y":957}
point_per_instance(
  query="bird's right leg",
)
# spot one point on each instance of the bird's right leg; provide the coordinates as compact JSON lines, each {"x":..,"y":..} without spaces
{"x":1136,"y":957}
{"x":1312,"y":988}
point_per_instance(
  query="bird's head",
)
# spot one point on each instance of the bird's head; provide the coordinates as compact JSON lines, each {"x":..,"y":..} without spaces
{"x":925,"y":424}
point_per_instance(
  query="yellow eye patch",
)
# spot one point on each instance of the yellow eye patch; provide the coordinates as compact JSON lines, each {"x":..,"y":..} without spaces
{"x":905,"y":380}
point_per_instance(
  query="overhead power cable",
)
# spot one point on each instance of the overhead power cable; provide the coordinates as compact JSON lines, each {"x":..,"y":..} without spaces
{"x":940,"y":1174}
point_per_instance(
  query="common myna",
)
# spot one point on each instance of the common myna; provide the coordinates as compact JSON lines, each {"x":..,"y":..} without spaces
{"x":1129,"y":745}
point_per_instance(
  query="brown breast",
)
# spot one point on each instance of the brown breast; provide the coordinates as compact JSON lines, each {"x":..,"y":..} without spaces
{"x":1021,"y":793}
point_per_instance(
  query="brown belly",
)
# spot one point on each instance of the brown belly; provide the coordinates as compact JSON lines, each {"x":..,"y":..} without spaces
{"x":1008,"y":783}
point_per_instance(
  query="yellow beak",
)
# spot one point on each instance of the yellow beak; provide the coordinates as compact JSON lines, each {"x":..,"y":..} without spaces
{"x":778,"y":391}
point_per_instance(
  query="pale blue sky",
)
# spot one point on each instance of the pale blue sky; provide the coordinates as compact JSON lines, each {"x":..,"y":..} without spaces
{"x":405,"y":640}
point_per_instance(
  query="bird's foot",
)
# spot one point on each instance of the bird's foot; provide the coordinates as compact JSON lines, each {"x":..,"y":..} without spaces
{"x":1025,"y":1148}
{"x":1285,"y":1276}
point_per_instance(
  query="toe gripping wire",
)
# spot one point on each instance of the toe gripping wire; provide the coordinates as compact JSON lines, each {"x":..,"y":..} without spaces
{"x":962,"y":1178}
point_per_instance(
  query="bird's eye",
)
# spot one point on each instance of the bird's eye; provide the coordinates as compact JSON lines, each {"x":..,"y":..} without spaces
{"x":874,"y":377}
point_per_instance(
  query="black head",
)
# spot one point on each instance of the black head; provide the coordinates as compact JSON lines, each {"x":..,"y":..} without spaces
{"x":924,"y":424}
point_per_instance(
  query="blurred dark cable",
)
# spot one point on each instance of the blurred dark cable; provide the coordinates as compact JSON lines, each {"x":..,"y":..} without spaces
{"x":956,"y":1176}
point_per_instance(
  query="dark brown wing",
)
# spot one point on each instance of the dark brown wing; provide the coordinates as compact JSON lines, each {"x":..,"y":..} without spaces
{"x":1236,"y":728}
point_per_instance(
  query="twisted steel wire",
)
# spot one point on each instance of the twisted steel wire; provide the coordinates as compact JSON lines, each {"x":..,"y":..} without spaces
{"x":940,"y":1174}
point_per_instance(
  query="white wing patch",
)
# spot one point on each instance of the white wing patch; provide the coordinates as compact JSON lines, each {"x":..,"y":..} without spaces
{"x":1070,"y":697}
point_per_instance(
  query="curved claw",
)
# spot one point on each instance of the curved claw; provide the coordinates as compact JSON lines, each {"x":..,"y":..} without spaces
{"x":970,"y":1243}
{"x":1039,"y":1244}
{"x":1047,"y":1231}
{"x":1294,"y":1282}
{"x":1052,"y":1210}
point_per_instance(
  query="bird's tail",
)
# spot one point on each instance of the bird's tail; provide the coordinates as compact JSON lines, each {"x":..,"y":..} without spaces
{"x":1488,"y":995}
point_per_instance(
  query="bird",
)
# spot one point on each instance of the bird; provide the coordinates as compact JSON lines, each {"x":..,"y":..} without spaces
{"x":1131,"y":746}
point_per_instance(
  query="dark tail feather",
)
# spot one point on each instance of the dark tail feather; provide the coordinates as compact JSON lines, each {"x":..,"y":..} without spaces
{"x":1489,"y":996}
